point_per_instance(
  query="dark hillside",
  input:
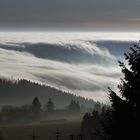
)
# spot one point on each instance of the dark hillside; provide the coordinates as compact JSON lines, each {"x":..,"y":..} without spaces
{"x":23,"y":91}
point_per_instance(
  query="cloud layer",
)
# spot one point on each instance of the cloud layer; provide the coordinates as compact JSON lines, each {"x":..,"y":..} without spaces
{"x":80,"y":65}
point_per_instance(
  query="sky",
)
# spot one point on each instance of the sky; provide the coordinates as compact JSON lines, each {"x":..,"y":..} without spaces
{"x":95,"y":15}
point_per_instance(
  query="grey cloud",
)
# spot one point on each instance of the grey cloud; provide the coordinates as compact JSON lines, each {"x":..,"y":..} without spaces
{"x":65,"y":76}
{"x":72,"y":53}
{"x":114,"y":46}
{"x":66,"y":13}
{"x":19,"y":59}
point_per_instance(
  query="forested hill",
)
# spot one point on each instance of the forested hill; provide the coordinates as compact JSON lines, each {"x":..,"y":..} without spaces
{"x":23,"y":91}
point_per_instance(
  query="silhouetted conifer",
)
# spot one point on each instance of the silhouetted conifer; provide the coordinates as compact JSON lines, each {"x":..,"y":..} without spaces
{"x":50,"y":105}
{"x":91,"y":126}
{"x":74,"y":106}
{"x":36,"y":107}
{"x":126,"y":105}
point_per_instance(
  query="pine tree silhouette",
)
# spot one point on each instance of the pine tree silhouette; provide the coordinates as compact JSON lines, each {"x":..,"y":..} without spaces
{"x":50,"y":105}
{"x":126,"y":106}
{"x":36,"y":108}
{"x":36,"y":105}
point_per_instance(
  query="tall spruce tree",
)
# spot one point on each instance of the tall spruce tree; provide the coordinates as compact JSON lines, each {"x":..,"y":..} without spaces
{"x":126,"y":104}
{"x":36,"y":107}
{"x":50,"y":105}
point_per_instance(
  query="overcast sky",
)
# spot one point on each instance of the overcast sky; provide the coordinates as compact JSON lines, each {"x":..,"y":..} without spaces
{"x":70,"y":14}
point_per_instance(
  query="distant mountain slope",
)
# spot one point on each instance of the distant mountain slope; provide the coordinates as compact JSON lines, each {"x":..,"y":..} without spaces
{"x":23,"y":91}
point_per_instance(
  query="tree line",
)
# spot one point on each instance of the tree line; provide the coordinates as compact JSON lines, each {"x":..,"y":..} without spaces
{"x":33,"y":111}
{"x":21,"y":91}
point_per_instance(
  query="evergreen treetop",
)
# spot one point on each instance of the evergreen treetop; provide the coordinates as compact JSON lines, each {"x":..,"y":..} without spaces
{"x":126,"y":106}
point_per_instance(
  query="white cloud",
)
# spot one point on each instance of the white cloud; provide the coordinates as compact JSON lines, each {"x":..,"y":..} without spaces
{"x":69,"y":77}
{"x":86,"y":79}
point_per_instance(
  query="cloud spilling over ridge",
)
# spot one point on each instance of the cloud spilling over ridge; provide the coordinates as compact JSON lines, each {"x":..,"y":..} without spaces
{"x":75,"y":78}
{"x":82,"y":67}
{"x":73,"y":53}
